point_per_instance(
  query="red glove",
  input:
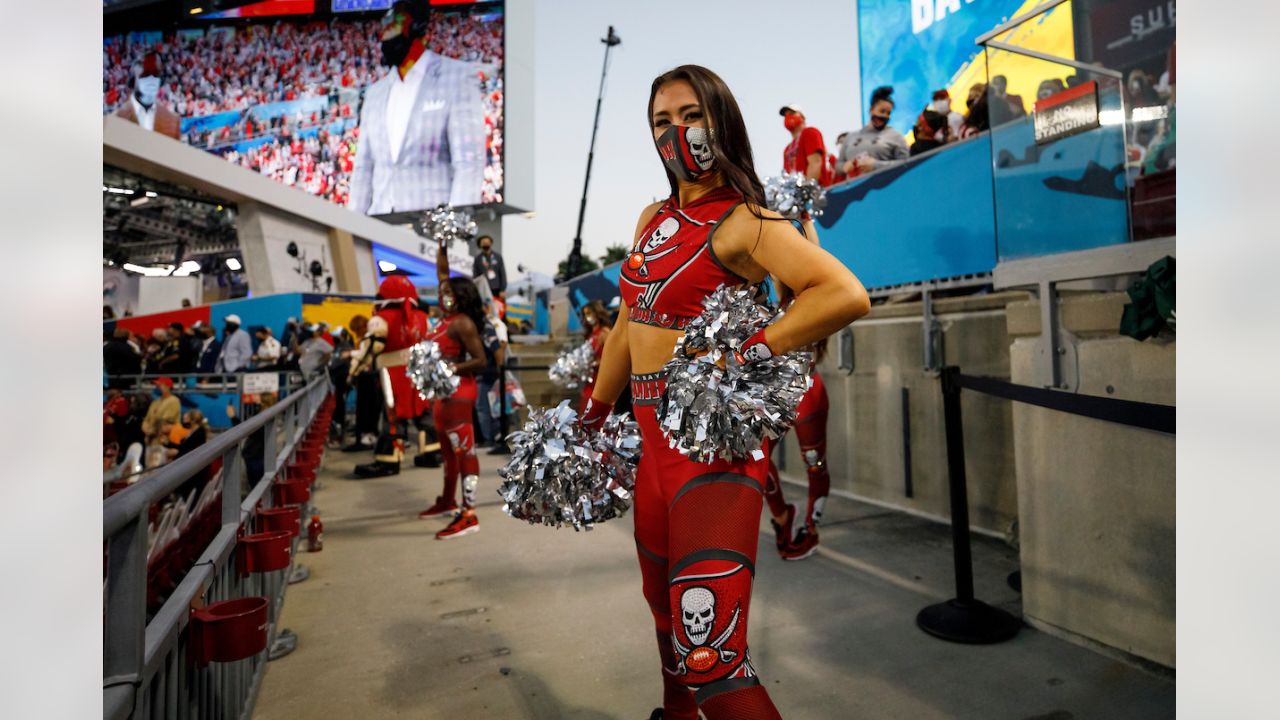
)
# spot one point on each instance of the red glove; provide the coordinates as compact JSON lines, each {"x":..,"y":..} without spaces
{"x":594,"y":416}
{"x":755,"y":349}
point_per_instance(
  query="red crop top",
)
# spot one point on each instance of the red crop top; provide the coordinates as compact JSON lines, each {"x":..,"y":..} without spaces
{"x":673,"y":266}
{"x":450,"y":349}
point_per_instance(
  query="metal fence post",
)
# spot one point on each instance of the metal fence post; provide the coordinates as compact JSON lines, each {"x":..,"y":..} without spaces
{"x":124,"y":639}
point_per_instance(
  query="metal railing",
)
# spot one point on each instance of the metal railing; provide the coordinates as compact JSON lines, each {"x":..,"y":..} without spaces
{"x":205,"y":383}
{"x":147,"y":669}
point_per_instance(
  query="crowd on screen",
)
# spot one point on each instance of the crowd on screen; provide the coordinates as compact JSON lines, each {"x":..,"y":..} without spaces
{"x":288,"y":60}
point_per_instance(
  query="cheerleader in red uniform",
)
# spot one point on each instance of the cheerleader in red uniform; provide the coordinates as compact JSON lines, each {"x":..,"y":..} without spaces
{"x":595,"y":325}
{"x":697,"y":523}
{"x":458,"y":336}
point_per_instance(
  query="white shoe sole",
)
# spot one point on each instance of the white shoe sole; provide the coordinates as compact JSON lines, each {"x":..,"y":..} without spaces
{"x":810,"y":553}
{"x":460,"y":533}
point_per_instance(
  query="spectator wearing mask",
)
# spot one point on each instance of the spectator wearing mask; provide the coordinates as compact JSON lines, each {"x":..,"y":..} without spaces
{"x":977,"y":120}
{"x":1002,"y":106}
{"x":170,"y":350}
{"x":942,"y":106}
{"x":488,"y":265}
{"x":876,"y":146}
{"x":269,"y":350}
{"x":928,"y":126}
{"x":237,"y":349}
{"x":289,"y":339}
{"x":363,"y":376}
{"x":210,"y":350}
{"x":313,"y":352}
{"x":493,"y":339}
{"x":806,"y":153}
{"x":119,"y":357}
{"x":1049,"y":88}
{"x":164,"y":409}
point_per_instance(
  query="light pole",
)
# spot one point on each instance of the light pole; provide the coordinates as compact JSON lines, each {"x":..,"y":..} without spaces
{"x":575,"y":255}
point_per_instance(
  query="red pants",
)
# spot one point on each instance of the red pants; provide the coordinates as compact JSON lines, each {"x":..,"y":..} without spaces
{"x":811,"y":432}
{"x":458,"y":441}
{"x":697,"y":528}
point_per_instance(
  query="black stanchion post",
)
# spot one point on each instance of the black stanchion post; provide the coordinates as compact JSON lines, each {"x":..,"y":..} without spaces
{"x":962,"y":619}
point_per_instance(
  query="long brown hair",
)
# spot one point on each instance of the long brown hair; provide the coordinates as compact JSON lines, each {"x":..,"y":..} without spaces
{"x":729,"y":144}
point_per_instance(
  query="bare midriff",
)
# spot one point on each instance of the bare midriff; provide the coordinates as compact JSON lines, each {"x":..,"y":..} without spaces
{"x":651,"y":347}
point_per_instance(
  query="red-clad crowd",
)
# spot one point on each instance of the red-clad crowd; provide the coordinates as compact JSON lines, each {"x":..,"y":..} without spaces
{"x":239,"y":68}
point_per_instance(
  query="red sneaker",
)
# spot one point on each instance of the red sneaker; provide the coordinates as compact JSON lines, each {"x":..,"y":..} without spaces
{"x":805,"y":544}
{"x":464,"y":524}
{"x":784,"y":533}
{"x":441,"y":507}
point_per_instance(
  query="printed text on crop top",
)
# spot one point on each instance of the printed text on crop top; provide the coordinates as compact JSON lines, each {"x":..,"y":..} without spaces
{"x":673,"y":266}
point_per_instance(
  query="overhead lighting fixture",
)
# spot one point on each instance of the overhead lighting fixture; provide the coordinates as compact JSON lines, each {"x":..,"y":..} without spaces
{"x":150,"y":194}
{"x":188,"y":267}
{"x":196,"y":10}
{"x":117,"y":191}
{"x":233,"y":264}
{"x":164,"y":271}
{"x":386,"y":267}
{"x":139,"y":201}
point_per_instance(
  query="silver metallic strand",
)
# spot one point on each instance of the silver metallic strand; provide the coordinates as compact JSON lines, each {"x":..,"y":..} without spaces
{"x":791,"y":195}
{"x":574,"y":368}
{"x":431,"y":374}
{"x":561,"y":475}
{"x":717,"y":406}
{"x":443,"y":223}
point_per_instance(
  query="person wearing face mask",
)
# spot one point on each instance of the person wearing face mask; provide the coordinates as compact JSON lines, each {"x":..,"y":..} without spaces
{"x":806,"y":153}
{"x":977,"y":120}
{"x":458,"y":337}
{"x":401,"y":324}
{"x":595,"y":326}
{"x":143,"y":107}
{"x":237,"y":348}
{"x":876,"y":146}
{"x":422,"y":136}
{"x":942,"y":106}
{"x":697,"y":524}
{"x":929,"y":126}
{"x":488,"y":265}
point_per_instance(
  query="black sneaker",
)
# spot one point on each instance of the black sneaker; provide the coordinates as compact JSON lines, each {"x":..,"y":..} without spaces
{"x":376,"y":469}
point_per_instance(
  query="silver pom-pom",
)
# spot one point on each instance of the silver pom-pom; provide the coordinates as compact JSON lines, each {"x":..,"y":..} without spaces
{"x":717,"y":406}
{"x":574,"y":368}
{"x":791,"y":195}
{"x":430,"y":373}
{"x":561,"y":475}
{"x":444,"y":224}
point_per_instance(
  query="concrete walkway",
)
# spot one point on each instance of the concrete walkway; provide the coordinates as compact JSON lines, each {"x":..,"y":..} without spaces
{"x":521,"y":622}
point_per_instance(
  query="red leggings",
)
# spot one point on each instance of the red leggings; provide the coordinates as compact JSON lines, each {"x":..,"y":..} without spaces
{"x":697,"y":528}
{"x":457,"y":437}
{"x":811,"y":432}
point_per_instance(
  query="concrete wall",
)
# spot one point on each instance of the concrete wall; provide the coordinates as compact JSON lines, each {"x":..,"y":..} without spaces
{"x":1096,"y":500}
{"x":265,"y":234}
{"x":865,"y":431}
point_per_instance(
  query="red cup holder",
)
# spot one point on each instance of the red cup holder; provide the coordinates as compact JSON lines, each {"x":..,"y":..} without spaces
{"x":229,"y":630}
{"x":300,"y":472}
{"x":263,"y":552}
{"x":285,"y":519}
{"x":292,"y":492}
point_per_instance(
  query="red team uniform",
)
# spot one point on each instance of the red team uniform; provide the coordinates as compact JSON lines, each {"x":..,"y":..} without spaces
{"x":695,"y":523}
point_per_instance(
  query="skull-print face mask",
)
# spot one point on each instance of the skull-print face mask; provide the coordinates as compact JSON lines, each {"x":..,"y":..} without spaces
{"x":686,"y":151}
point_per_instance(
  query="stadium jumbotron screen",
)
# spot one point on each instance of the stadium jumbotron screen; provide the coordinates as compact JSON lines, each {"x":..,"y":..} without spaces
{"x":309,"y":102}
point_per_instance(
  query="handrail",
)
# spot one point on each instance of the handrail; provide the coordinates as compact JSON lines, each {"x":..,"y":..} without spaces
{"x":121,"y":509}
